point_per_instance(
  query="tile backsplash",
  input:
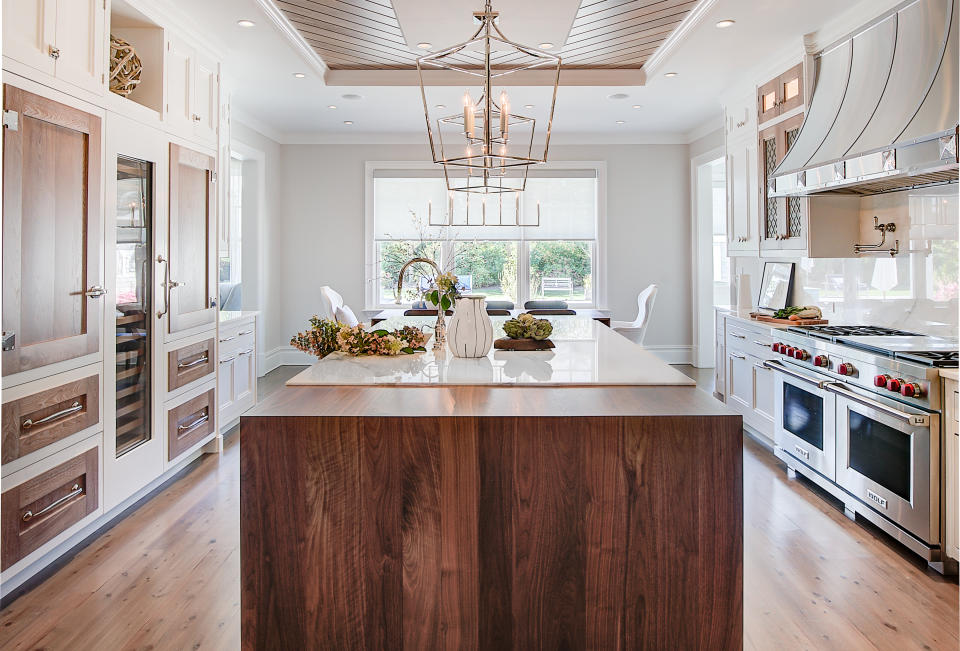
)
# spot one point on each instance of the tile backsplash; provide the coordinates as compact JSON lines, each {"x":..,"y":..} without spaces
{"x":916,"y":290}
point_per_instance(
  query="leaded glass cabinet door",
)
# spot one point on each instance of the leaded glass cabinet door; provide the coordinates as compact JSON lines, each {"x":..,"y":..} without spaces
{"x":771,"y":209}
{"x":795,"y":208}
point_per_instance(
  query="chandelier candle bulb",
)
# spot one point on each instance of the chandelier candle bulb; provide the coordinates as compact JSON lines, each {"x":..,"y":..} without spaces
{"x":504,"y":114}
{"x":468,"y":116}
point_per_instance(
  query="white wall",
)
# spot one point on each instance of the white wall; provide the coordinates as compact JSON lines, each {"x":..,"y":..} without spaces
{"x":318,"y":238}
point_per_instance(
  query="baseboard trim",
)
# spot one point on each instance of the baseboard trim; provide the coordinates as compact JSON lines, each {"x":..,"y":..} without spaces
{"x":285,"y":356}
{"x":672,"y":354}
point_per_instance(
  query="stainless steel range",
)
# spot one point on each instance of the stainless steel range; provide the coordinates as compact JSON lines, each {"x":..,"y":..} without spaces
{"x":857,"y":411}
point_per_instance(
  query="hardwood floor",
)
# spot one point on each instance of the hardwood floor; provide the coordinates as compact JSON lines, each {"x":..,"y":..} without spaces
{"x":168,"y":576}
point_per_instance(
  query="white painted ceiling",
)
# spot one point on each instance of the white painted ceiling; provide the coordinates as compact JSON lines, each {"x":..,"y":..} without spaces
{"x":260,"y":61}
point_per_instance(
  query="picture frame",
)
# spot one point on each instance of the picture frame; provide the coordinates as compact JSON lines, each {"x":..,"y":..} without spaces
{"x":776,"y":286}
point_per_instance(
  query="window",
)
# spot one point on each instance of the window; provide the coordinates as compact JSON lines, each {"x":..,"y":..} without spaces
{"x":409,"y":215}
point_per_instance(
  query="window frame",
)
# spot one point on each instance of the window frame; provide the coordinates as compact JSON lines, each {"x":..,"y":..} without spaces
{"x":371,"y":261}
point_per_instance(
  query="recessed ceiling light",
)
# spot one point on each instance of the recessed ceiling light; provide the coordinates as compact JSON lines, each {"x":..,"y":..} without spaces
{"x":529,"y":106}
{"x":621,"y":121}
{"x":440,"y":106}
{"x":332,"y":106}
{"x":348,"y":122}
{"x":246,"y":23}
{"x":546,"y":46}
{"x":424,"y":46}
{"x":618,"y":96}
{"x":299,"y":75}
{"x":636,"y":106}
{"x":723,"y":24}
{"x":670,"y":74}
{"x":351,"y":96}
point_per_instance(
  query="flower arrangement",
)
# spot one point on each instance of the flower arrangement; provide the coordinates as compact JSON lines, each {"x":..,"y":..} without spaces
{"x":326,"y":336}
{"x":447,"y":291}
{"x":527,"y":326}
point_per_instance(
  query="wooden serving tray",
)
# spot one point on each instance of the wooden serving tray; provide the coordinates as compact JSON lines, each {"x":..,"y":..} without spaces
{"x":523,"y":344}
{"x":800,"y":322}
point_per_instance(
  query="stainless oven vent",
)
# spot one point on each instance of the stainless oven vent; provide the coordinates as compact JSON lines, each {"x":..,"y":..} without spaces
{"x":884,"y":111}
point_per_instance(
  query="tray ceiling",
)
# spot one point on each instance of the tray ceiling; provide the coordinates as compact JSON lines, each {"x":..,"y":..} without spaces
{"x":367,"y":35}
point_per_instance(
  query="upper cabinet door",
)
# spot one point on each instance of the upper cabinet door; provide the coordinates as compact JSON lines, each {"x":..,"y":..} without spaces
{"x":29,"y":28}
{"x":180,"y":62}
{"x":52,"y":294}
{"x":192,"y":240}
{"x":80,"y":42}
{"x":206,"y":98}
{"x":791,"y":88}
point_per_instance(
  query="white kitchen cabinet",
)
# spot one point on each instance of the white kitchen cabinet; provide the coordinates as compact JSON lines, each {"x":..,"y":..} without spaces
{"x":720,"y":357}
{"x":193,"y":91}
{"x":237,"y":372}
{"x":740,"y":381}
{"x":742,"y":221}
{"x":61,"y":38}
{"x":951,"y":412}
{"x":749,"y":385}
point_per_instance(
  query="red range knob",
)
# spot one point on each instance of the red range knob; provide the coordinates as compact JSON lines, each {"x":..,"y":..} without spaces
{"x":847,"y":369}
{"x":821,"y":360}
{"x":776,"y":347}
{"x":911,"y":390}
{"x":893,"y":384}
{"x":881,"y":380}
{"x":800,"y":354}
{"x":788,"y":351}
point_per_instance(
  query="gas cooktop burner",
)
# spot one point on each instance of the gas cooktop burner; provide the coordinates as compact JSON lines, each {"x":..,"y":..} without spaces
{"x":937,"y":358}
{"x":829,"y":332}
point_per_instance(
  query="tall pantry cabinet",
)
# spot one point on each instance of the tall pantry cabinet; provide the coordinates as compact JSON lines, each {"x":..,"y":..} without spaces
{"x":109,"y":272}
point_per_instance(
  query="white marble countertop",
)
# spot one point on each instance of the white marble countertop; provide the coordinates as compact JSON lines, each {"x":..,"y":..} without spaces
{"x":226,"y":316}
{"x":587,"y":353}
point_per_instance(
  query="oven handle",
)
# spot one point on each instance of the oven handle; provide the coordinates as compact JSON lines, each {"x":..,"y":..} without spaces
{"x":774,"y":365}
{"x":913,"y":419}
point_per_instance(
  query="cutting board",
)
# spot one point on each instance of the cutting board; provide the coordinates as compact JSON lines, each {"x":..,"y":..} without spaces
{"x":801,"y":322}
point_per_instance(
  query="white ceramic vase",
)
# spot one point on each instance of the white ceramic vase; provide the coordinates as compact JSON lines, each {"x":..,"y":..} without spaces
{"x":470,"y":333}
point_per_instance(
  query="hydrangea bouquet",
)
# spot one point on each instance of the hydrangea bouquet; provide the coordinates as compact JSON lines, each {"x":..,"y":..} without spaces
{"x":326,"y":336}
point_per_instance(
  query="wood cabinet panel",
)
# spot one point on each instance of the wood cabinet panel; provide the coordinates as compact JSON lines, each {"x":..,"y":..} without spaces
{"x":192,"y":239}
{"x":40,"y":508}
{"x":780,"y":95}
{"x":189,"y":423}
{"x":51,"y":232}
{"x":189,"y":363}
{"x":37,"y":420}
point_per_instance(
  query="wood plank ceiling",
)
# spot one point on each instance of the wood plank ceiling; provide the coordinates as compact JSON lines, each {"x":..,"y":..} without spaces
{"x":365,"y":34}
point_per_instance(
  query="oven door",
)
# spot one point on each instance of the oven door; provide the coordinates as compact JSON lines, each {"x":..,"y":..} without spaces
{"x":888,"y":456}
{"x":804,"y":413}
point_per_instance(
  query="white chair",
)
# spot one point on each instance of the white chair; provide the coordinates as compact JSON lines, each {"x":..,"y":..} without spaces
{"x":635,"y":330}
{"x":332,"y":307}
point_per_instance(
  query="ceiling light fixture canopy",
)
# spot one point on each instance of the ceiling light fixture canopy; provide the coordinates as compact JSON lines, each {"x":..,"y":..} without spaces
{"x":486,"y":148}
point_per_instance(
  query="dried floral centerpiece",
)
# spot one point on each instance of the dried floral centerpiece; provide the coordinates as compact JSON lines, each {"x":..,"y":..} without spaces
{"x":526,"y":332}
{"x":326,"y":336}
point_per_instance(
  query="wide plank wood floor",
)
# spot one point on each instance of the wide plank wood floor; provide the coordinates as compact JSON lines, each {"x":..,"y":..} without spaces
{"x":168,"y":576}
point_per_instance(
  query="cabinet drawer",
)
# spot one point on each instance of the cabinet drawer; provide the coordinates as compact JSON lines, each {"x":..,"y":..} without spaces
{"x":189,"y":363}
{"x":237,"y":338}
{"x":753,"y":341}
{"x":40,"y":508}
{"x":35,"y":421}
{"x":189,"y":423}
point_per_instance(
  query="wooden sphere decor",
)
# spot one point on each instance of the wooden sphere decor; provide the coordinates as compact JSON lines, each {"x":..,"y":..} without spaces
{"x":125,"y":67}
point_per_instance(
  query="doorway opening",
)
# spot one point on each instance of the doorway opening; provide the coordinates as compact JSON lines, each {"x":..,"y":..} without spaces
{"x":711,"y":264}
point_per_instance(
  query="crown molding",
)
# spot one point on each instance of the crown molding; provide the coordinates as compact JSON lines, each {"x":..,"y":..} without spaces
{"x":290,"y":32}
{"x":710,"y":126}
{"x":248,"y":121}
{"x":568,"y":77}
{"x":676,"y":38}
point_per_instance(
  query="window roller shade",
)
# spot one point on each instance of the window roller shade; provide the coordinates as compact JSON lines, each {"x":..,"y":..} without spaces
{"x":405,"y":201}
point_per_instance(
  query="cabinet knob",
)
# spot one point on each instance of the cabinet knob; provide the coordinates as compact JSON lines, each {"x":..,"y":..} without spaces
{"x":195,"y":117}
{"x":54,"y":52}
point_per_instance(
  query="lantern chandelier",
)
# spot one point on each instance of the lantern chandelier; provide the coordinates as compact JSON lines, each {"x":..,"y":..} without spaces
{"x":486,"y":148}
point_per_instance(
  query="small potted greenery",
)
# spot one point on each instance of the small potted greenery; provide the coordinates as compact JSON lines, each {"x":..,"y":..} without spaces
{"x":526,"y":332}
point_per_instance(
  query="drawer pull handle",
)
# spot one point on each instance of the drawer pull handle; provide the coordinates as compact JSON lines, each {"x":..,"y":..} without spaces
{"x":228,"y":338}
{"x":760,"y":343}
{"x":196,"y":362}
{"x":227,"y":359}
{"x":734,"y":334}
{"x":738,"y":356}
{"x":245,"y":332}
{"x":195,"y":424}
{"x":63,"y":413}
{"x":246,"y":352}
{"x":75,"y":491}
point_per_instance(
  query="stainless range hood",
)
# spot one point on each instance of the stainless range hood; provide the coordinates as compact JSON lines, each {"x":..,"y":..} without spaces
{"x":884,"y":111}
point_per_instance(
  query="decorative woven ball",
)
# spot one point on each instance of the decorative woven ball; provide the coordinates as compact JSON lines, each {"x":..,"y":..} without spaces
{"x":125,"y":67}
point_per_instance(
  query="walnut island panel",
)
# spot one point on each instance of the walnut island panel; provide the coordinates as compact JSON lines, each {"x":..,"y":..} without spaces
{"x":491,"y":517}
